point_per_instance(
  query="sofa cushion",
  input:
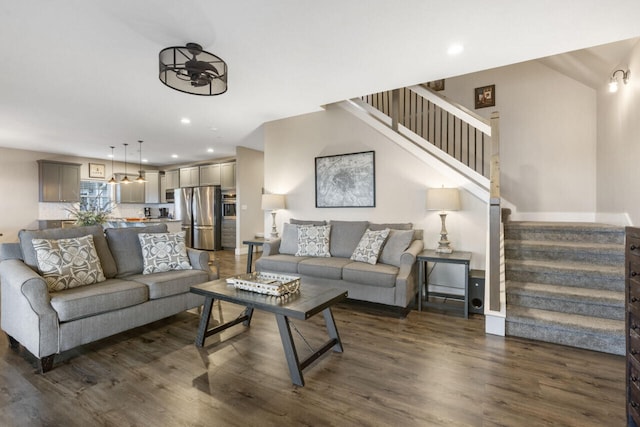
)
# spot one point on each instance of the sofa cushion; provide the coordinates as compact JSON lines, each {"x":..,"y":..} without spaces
{"x":392,"y":226}
{"x":328,"y":268}
{"x":102,"y":248}
{"x":306,"y":222}
{"x":313,"y":240}
{"x":125,"y":247}
{"x":163,"y":252}
{"x":279,"y":263}
{"x":397,"y":242}
{"x":107,"y":296}
{"x":68,"y":263}
{"x":381,"y":275}
{"x":289,"y":241}
{"x":171,"y":282}
{"x":345,"y":236}
{"x":370,"y":246}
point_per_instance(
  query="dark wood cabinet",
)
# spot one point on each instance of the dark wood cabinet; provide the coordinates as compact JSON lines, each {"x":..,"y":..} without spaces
{"x":59,"y":181}
{"x":632,"y":325}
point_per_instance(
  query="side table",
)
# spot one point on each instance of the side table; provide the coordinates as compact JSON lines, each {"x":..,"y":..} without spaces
{"x":258,"y":241}
{"x":463,"y":258}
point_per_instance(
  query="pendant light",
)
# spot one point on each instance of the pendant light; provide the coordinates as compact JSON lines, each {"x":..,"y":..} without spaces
{"x":140,"y":179}
{"x":113,"y":176}
{"x":125,"y":180}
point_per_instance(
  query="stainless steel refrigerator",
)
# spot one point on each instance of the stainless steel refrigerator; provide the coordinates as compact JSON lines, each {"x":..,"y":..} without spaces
{"x":200,"y":210}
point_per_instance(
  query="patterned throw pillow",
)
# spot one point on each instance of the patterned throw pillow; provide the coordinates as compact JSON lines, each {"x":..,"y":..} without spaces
{"x":68,"y":263}
{"x":370,"y":246}
{"x":313,"y":240}
{"x":164,"y":252}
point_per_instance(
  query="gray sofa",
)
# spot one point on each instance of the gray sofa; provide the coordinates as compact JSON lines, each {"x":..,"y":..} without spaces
{"x":47,"y":323}
{"x":391,"y":281}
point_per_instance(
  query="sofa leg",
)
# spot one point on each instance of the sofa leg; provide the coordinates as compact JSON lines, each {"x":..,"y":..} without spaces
{"x":45,"y":364}
{"x":13,"y":343}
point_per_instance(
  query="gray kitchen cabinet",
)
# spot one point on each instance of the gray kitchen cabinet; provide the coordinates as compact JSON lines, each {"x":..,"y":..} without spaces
{"x":228,"y":176}
{"x":152,"y":187}
{"x":210,"y":174}
{"x":172,"y":179}
{"x":228,"y":235}
{"x":190,"y":177}
{"x":163,"y":188}
{"x":129,"y":193}
{"x":59,"y":181}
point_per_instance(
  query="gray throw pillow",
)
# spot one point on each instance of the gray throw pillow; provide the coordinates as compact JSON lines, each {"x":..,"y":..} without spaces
{"x":68,"y":263}
{"x":289,"y":241}
{"x":163,"y":252}
{"x":370,"y":246}
{"x":396,"y":244}
{"x":313,"y":240}
{"x":392,"y":226}
{"x":345,"y":236}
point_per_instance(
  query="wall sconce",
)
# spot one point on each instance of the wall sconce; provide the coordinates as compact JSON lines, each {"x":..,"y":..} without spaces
{"x":613,"y":81}
{"x":443,"y":199}
{"x":273,"y":202}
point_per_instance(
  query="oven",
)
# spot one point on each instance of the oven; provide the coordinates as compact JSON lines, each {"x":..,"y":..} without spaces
{"x":229,"y":206}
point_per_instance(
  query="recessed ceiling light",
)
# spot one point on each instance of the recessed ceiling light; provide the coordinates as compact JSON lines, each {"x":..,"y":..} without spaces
{"x":175,"y":156}
{"x":185,"y":120}
{"x":455,"y":49}
{"x":145,"y":161}
{"x":110,"y":156}
{"x":209,"y":150}
{"x":213,"y":128}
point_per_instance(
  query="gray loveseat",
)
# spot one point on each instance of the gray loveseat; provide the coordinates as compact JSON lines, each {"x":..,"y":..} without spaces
{"x":47,"y":323}
{"x":391,"y":280}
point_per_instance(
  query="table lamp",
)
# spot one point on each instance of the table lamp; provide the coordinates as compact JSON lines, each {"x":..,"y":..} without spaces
{"x":443,"y":199}
{"x":273,"y":202}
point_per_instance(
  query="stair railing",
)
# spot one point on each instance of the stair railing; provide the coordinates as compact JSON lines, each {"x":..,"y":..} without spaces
{"x":466,"y":137}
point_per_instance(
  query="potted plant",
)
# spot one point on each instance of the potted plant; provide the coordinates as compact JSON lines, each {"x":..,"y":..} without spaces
{"x":91,"y":213}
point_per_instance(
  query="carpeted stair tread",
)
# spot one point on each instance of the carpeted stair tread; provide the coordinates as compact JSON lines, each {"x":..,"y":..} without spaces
{"x":564,"y":231}
{"x":561,"y":225}
{"x":567,"y":246}
{"x":566,"y":321}
{"x":567,"y":292}
{"x":568,"y":267}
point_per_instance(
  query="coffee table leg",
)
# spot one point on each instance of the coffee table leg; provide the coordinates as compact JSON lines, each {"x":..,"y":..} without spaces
{"x":249,"y":313}
{"x":332,"y":329}
{"x":204,"y":321}
{"x":290,"y":350}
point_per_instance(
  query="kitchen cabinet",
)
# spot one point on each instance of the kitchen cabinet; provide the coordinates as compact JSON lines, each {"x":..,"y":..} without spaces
{"x":228,"y":176}
{"x":210,"y":174}
{"x":172,"y":179}
{"x":190,"y":177}
{"x":163,"y":188}
{"x":129,"y":193}
{"x":152,"y":187}
{"x":228,"y":234}
{"x":59,"y":181}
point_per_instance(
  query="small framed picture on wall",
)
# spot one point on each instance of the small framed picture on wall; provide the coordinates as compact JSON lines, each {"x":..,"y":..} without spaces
{"x":96,"y":170}
{"x":485,"y":96}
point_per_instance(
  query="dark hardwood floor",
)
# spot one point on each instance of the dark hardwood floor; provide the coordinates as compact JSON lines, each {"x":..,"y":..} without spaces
{"x":427,"y":369}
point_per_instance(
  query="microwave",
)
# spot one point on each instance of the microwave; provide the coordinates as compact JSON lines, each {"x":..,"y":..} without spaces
{"x":170,"y":196}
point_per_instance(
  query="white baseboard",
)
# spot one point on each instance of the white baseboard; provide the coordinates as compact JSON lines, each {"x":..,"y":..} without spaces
{"x":621,"y":219}
{"x":494,"y":323}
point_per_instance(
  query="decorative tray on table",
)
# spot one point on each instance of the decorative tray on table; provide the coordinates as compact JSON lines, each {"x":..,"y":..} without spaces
{"x":266,"y":283}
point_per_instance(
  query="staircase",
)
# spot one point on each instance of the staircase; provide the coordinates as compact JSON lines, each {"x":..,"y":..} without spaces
{"x":565,"y":284}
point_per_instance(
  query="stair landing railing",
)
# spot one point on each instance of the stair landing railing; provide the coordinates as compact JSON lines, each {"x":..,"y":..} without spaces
{"x":467,"y":138}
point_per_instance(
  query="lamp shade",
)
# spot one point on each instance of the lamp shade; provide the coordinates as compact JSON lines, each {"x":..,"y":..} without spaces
{"x":443,"y":199}
{"x":272,"y":202}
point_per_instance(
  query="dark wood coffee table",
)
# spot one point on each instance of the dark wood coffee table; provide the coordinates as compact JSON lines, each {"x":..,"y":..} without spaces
{"x":308,"y":301}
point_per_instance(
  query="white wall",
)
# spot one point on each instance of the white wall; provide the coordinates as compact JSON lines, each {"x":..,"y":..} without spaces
{"x":547,"y":138}
{"x":249,"y":183}
{"x":619,"y":147}
{"x":291,"y":146}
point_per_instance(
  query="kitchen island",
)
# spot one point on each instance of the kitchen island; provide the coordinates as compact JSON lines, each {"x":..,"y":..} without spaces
{"x":173,"y":225}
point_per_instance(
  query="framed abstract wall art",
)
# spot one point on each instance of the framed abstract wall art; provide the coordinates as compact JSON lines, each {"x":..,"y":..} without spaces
{"x":346,"y":181}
